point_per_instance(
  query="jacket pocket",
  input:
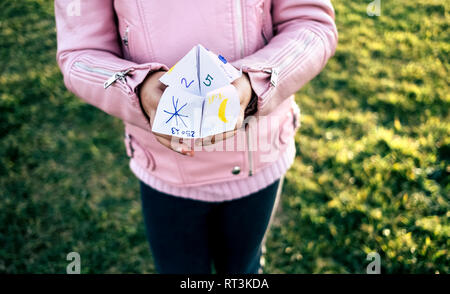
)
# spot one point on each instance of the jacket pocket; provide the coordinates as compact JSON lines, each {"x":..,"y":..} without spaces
{"x":126,"y":35}
{"x":291,"y":124}
{"x":135,"y":151}
{"x":266,"y":25}
{"x":254,"y":18}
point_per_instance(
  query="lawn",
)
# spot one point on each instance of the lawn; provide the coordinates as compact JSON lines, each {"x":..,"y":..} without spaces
{"x":371,"y":175}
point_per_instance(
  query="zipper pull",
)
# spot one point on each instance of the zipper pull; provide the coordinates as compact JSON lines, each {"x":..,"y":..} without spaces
{"x":116,"y":76}
{"x":125,"y":36}
{"x":273,"y":75}
{"x":249,"y":147}
{"x":273,"y":71}
{"x":129,"y":138}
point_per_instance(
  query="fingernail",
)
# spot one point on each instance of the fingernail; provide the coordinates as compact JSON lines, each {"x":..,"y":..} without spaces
{"x":183,"y":150}
{"x":179,"y":149}
{"x":187,"y":152}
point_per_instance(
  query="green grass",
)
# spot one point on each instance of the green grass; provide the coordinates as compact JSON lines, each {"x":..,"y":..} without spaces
{"x":372,"y":172}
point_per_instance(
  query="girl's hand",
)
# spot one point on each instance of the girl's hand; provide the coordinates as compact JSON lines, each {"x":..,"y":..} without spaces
{"x":150,"y":93}
{"x":245,"y":91}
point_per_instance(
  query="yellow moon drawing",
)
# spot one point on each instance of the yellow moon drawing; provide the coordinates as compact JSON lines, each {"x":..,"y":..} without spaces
{"x":222,"y":107}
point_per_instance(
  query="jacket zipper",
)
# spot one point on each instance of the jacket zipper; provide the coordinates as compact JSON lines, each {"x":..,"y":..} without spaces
{"x":263,"y":24}
{"x":264,"y":38}
{"x":125,"y":36}
{"x":240,"y":26}
{"x":129,"y":138}
{"x":113,"y":76}
{"x":250,"y":156}
{"x":288,"y":62}
{"x":132,"y":140}
{"x":274,"y":77}
{"x":242,"y":53}
{"x":276,"y":70}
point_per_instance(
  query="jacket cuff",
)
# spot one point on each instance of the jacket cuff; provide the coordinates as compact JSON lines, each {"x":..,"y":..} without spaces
{"x":260,"y":77}
{"x":252,"y":106}
{"x":138,"y":78}
{"x":141,"y":72}
{"x":282,"y":72}
{"x":260,"y":81}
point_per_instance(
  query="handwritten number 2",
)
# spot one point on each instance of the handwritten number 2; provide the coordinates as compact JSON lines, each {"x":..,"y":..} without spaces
{"x":186,"y":83}
{"x":209,"y":79}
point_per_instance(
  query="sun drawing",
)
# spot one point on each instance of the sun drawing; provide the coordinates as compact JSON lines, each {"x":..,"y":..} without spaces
{"x":176,"y":112}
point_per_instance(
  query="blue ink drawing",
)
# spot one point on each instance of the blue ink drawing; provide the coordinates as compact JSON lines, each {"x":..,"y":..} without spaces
{"x":186,"y":83}
{"x":176,"y":112}
{"x":222,"y":59}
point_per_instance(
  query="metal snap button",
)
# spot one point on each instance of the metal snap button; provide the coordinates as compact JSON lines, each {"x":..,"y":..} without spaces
{"x":236,"y":170}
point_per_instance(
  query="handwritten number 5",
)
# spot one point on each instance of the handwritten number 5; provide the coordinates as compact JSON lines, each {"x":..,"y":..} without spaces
{"x":209,"y":79}
{"x":185,"y":82}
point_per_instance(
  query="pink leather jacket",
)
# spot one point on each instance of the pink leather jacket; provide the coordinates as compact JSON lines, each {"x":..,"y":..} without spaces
{"x":107,"y":47}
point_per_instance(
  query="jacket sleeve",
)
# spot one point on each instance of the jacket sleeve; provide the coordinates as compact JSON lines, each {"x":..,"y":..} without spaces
{"x":89,"y":56}
{"x":305,"y":38}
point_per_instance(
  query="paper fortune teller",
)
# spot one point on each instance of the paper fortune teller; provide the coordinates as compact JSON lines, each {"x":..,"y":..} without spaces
{"x":199,"y":100}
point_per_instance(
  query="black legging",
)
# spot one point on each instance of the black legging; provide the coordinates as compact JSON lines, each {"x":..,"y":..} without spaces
{"x":187,"y":236}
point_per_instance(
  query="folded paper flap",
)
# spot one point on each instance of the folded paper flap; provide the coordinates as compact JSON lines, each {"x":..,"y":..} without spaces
{"x":220,"y":111}
{"x":214,"y":71}
{"x":183,"y":74}
{"x":200,"y":69}
{"x":230,"y":71}
{"x":179,"y":114}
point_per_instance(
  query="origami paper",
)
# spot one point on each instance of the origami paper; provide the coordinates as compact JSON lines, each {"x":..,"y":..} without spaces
{"x":199,"y":100}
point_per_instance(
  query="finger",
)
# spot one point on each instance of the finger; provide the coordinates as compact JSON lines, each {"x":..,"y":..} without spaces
{"x":155,"y":97}
{"x":223,"y":136}
{"x":161,"y":135}
{"x":215,"y":138}
{"x":174,"y":139}
{"x":161,"y":86}
{"x":175,"y":145}
{"x":155,"y":76}
{"x":240,"y":119}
